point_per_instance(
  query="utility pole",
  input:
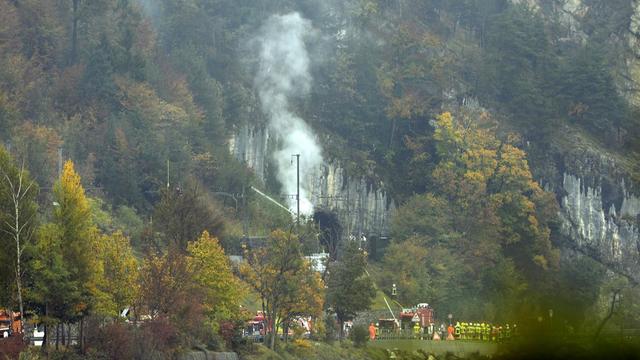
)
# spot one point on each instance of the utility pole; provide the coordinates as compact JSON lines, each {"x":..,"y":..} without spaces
{"x":167,"y":173}
{"x":297,"y":156}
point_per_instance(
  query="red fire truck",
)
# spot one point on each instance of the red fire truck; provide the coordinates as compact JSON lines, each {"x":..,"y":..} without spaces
{"x":421,"y":313}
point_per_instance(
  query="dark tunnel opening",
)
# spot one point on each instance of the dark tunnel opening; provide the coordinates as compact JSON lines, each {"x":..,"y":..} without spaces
{"x":330,"y":231}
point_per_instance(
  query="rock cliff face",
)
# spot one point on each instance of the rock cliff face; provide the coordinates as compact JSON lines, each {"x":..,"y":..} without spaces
{"x":600,"y":207}
{"x":250,"y":145}
{"x":622,"y":17}
{"x":361,"y":205}
{"x":608,"y":233}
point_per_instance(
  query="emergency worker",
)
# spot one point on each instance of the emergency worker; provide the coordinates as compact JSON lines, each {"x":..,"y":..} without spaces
{"x":372,"y":332}
{"x":457,"y":330}
{"x":416,"y":330}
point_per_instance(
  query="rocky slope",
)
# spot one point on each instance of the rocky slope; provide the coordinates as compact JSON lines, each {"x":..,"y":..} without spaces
{"x":600,"y":203}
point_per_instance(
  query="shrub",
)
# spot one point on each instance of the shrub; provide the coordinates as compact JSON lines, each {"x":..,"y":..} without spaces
{"x":113,"y":341}
{"x":359,"y":335}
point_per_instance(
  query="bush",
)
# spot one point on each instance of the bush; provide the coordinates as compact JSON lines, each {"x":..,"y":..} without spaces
{"x":113,"y":341}
{"x":330,"y":331}
{"x":359,"y":335}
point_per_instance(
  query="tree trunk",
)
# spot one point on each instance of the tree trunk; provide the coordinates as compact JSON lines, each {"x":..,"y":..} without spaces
{"x":81,"y":340}
{"x":45,"y":339}
{"x":341,"y":322}
{"x":57,"y":336}
{"x":19,"y":287}
{"x":393,"y":131}
{"x":609,"y":315}
{"x":285,"y":331}
{"x":274,"y":330}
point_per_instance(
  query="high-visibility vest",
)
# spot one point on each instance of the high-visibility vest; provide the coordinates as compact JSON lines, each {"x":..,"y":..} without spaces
{"x":458,"y":329}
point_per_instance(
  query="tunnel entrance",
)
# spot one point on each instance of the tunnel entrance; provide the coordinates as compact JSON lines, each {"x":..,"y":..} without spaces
{"x":330,"y":231}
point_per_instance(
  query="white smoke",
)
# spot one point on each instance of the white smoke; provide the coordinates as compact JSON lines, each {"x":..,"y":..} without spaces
{"x":283,"y":73}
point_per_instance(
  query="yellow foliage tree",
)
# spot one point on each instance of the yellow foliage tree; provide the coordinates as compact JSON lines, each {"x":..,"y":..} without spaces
{"x":284,"y":280}
{"x":493,"y":192}
{"x":72,"y":215}
{"x":119,"y":268}
{"x":211,"y":272}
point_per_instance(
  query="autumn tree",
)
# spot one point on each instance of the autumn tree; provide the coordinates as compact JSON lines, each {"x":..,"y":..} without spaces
{"x":212,"y":274}
{"x":18,"y":210}
{"x":485,"y":212}
{"x":349,"y":288}
{"x":169,"y":293}
{"x":284,"y":280}
{"x":184,"y":213}
{"x":75,"y":239}
{"x":119,"y":282}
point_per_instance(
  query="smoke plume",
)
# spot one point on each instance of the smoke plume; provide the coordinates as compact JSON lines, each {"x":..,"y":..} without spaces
{"x":283,"y":74}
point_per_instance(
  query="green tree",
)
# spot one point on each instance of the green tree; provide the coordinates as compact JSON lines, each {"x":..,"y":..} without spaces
{"x":53,"y":285}
{"x":349,"y":288}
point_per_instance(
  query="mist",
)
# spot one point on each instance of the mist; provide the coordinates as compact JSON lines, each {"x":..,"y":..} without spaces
{"x":283,"y":74}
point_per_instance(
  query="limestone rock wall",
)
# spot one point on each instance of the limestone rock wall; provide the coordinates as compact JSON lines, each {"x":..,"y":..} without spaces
{"x":611,"y":233}
{"x":361,"y":205}
{"x":249,"y":145}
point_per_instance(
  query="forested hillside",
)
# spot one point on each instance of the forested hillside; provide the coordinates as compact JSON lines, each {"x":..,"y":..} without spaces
{"x":506,"y":134}
{"x":123,"y":87}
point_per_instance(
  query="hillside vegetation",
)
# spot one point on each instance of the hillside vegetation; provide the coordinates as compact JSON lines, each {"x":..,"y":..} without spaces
{"x":466,"y":111}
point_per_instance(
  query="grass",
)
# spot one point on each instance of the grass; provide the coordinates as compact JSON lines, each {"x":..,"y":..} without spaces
{"x":459,"y":348}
